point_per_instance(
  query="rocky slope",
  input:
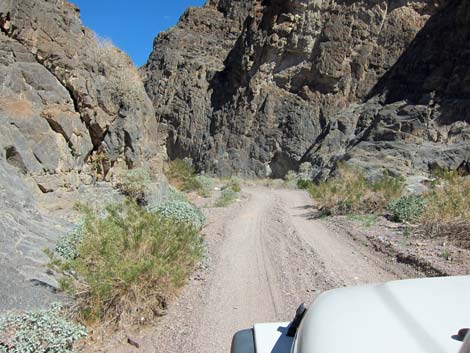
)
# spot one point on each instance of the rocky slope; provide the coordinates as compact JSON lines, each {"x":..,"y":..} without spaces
{"x":73,"y":109}
{"x":256,"y":87}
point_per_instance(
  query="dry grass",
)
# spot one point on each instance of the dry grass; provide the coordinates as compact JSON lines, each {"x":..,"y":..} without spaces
{"x":351,"y":193}
{"x":124,"y":82}
{"x":447,"y":211}
{"x":180,"y":174}
{"x":130,"y":262}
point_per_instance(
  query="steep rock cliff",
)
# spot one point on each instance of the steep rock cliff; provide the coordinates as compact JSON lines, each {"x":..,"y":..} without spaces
{"x":67,"y":96}
{"x":256,"y":99}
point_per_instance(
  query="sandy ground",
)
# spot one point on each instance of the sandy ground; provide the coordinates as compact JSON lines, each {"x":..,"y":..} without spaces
{"x":266,"y":255}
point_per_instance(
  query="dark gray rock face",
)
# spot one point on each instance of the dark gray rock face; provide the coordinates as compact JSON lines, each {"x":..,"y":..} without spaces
{"x":24,"y":233}
{"x":418,"y":116}
{"x":254,"y":87}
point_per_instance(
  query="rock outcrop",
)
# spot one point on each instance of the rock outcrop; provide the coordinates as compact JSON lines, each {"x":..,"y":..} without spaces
{"x":257,"y":87}
{"x":417,"y":118}
{"x":67,"y":97}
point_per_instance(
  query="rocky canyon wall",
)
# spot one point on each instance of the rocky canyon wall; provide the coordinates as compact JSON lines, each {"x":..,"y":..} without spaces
{"x":257,"y":87}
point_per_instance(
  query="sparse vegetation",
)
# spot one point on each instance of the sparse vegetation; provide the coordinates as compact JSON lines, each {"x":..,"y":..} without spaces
{"x":203,"y":185}
{"x":447,"y":211}
{"x":227,"y":197}
{"x":291,"y":179}
{"x":235,"y":184}
{"x":407,"y":209}
{"x":123,"y":82}
{"x":351,"y":193}
{"x":445,"y":255}
{"x":41,"y":331}
{"x":129,"y":263}
{"x":135,"y":183}
{"x":442,"y":212}
{"x":366,"y":221}
{"x":180,"y":173}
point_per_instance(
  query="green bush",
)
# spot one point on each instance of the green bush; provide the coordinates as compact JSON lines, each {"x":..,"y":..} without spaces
{"x":182,"y":212}
{"x":227,"y":197}
{"x":304,"y":184}
{"x":407,"y":208}
{"x":42,"y":331}
{"x":67,"y":245}
{"x":129,"y":263}
{"x":134,"y":184}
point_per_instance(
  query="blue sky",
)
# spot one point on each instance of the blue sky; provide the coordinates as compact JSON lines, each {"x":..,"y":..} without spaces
{"x":132,"y":25}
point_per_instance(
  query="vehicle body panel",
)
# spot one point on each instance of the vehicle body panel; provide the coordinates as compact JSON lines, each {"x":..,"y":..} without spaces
{"x":271,"y":338}
{"x":414,"y":316}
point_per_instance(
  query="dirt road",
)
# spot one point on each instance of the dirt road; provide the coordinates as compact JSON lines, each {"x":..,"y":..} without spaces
{"x":266,"y":255}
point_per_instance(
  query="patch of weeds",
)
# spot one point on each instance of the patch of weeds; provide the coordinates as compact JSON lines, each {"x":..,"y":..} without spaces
{"x":182,"y":212}
{"x":406,"y":209}
{"x":130,"y":261}
{"x":204,"y":185}
{"x":350,"y":192}
{"x":367,"y":221}
{"x":134,"y":184}
{"x":235,"y":184}
{"x":179,"y":173}
{"x":227,"y":197}
{"x":41,"y":331}
{"x":445,"y":255}
{"x":447,"y":211}
{"x":304,"y":184}
{"x":291,"y":179}
{"x":407,"y":233}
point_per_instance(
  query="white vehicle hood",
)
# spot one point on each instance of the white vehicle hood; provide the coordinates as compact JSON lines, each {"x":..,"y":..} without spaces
{"x":411,"y":316}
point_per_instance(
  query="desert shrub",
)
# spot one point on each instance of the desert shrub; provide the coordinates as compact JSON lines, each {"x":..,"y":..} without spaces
{"x":447,"y":211}
{"x":202,"y":184}
{"x":407,"y":208}
{"x":182,"y":212}
{"x":350,"y":192}
{"x":304,"y":184}
{"x":67,"y":245}
{"x":305,"y":171}
{"x":134,"y":184}
{"x":39,"y":331}
{"x":291,"y":179}
{"x":227,"y":197}
{"x":179,"y":173}
{"x":234,"y":183}
{"x":129,"y":262}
